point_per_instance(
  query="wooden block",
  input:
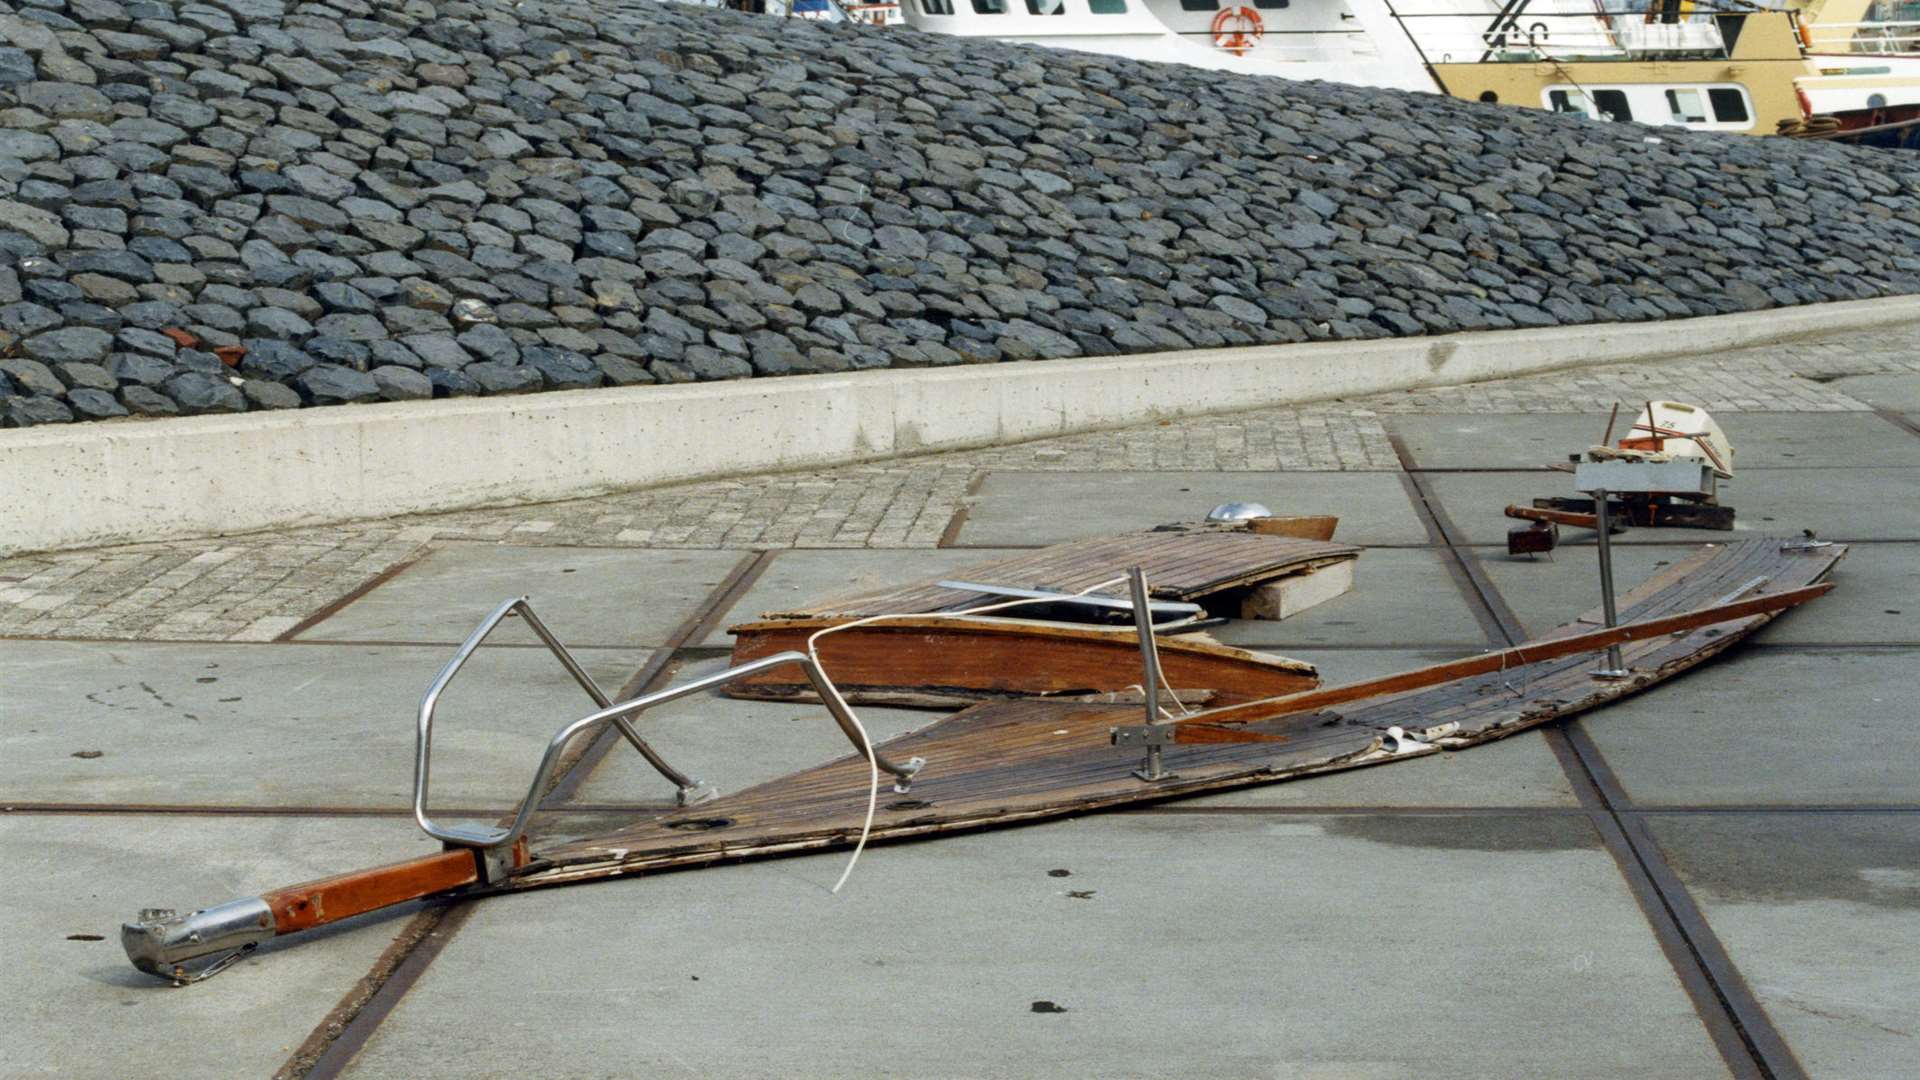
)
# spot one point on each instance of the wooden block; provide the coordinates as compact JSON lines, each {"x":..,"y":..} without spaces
{"x":1307,"y":527}
{"x":1292,"y":595}
{"x":1531,"y":539}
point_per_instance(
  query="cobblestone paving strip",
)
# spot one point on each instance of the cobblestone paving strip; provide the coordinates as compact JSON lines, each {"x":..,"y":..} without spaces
{"x":255,"y":587}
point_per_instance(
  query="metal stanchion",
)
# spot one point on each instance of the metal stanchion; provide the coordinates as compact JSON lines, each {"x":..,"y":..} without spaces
{"x":1616,"y":667}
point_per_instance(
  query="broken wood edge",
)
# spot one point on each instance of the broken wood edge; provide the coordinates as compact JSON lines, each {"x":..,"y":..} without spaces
{"x":1297,"y":526}
{"x":1314,"y":554}
{"x":1236,"y":673}
{"x":1527,"y":653}
{"x":1195,"y":644}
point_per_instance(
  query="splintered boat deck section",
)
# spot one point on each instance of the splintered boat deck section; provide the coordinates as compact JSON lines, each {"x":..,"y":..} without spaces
{"x":1181,"y":562}
{"x":943,"y":659}
{"x":1017,"y":761}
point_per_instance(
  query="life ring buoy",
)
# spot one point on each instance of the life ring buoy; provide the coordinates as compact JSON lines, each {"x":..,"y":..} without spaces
{"x":1237,"y":29}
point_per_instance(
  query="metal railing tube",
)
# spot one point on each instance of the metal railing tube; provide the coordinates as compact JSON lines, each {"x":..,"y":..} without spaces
{"x":489,"y":837}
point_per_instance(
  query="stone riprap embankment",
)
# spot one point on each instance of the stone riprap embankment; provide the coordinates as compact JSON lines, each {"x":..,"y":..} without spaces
{"x":225,"y":205}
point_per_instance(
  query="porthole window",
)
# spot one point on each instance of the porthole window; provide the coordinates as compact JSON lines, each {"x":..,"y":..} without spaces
{"x":1876,"y":101}
{"x":1489,"y":97}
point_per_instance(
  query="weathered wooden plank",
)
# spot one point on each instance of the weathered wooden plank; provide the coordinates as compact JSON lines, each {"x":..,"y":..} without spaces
{"x":1306,"y":526}
{"x":1181,"y":563}
{"x":1520,"y":655}
{"x":959,"y":660}
{"x":316,"y":903}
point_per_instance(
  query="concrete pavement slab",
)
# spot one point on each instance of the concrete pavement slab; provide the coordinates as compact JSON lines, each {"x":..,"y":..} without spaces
{"x":1901,"y":393}
{"x":734,"y":744}
{"x":1789,"y":727}
{"x":1878,"y":600}
{"x":1496,"y":441}
{"x":1822,"y":440}
{"x":1032,"y":509}
{"x":1399,"y":597}
{"x":277,"y":725}
{"x":1839,"y":504}
{"x":76,"y":1008}
{"x":586,"y":596}
{"x":1822,"y":914}
{"x":1376,"y":946}
{"x":1760,"y":440}
{"x":803,"y":577}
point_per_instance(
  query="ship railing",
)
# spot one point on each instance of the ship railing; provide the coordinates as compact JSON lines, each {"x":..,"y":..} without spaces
{"x":1301,"y":45}
{"x":1531,"y":36}
{"x":1866,"y":38}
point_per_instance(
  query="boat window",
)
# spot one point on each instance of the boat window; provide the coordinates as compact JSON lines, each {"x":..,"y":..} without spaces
{"x":1107,"y":7}
{"x":937,"y":7}
{"x":1046,"y":7}
{"x":1612,"y":104}
{"x":1199,"y":5}
{"x":989,"y":7}
{"x":1729,"y":105}
{"x":1271,"y":5}
{"x":1567,"y":101}
{"x":1489,"y":96}
{"x":1683,"y":104}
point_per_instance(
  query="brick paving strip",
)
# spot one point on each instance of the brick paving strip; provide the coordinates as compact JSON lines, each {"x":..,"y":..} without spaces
{"x":256,"y":587}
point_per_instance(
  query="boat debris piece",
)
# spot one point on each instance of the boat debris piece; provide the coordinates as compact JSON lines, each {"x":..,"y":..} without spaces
{"x":1255,"y":517}
{"x":1063,"y":640}
{"x":1664,"y":432}
{"x":944,"y":661}
{"x":1001,"y":763}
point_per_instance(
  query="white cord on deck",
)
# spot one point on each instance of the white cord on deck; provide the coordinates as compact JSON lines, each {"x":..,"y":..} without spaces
{"x":866,"y":743}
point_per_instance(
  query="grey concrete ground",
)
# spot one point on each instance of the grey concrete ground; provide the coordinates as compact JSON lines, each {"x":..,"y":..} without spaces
{"x":1716,"y":878}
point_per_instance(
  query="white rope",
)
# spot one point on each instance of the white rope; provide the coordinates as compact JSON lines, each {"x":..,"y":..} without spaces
{"x":866,"y":743}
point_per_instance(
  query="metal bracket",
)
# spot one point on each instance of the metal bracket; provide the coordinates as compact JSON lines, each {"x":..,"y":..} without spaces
{"x":1144,"y":735}
{"x":161,"y":940}
{"x":494,"y":863}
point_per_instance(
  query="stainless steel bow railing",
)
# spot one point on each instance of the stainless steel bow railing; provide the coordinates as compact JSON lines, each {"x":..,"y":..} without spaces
{"x":488,"y":837}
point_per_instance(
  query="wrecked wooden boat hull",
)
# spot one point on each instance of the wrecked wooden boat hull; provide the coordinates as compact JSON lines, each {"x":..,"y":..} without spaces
{"x":1012,"y":762}
{"x":1008,"y":762}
